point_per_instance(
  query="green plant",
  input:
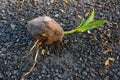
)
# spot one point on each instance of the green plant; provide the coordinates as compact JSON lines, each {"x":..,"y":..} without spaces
{"x":87,"y":24}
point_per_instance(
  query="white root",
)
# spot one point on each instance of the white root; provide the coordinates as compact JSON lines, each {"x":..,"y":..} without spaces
{"x":37,"y":43}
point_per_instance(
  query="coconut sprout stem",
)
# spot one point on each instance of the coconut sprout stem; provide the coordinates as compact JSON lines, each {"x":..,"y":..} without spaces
{"x":70,"y":32}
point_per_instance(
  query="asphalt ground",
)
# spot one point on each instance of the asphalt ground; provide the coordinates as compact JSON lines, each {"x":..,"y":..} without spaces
{"x":92,"y":55}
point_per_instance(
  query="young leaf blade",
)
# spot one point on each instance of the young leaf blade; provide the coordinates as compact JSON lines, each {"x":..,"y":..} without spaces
{"x":97,"y":24}
{"x":83,"y":20}
{"x":90,"y":19}
{"x":91,"y":25}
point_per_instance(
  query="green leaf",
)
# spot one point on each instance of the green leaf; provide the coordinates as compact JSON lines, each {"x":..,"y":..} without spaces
{"x":97,"y":24}
{"x":91,"y":25}
{"x":90,"y":19}
{"x":83,"y":20}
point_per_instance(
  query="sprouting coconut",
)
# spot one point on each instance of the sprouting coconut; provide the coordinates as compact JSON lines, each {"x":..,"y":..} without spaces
{"x":46,"y":31}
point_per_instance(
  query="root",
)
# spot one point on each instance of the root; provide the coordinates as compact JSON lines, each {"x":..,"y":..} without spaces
{"x":35,"y":61}
{"x":35,"y":44}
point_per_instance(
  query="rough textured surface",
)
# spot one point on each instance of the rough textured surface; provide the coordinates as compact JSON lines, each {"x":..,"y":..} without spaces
{"x":80,"y":56}
{"x":46,"y":30}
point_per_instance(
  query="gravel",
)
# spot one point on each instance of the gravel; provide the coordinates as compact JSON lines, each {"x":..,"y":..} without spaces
{"x":81,"y":56}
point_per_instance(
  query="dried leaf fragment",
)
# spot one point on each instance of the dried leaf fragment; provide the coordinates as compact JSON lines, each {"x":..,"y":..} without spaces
{"x":86,"y":14}
{"x":12,"y":25}
{"x":106,"y":51}
{"x":107,"y":62}
{"x":0,"y":52}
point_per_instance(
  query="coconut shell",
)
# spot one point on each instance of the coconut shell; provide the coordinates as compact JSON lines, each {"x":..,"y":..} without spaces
{"x":46,"y":29}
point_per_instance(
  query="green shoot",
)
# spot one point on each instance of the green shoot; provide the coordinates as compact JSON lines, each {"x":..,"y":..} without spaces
{"x":90,"y":19}
{"x":87,"y":24}
{"x":91,"y":25}
{"x":81,"y":24}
